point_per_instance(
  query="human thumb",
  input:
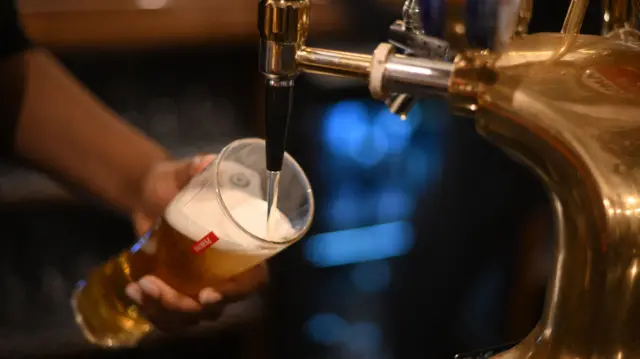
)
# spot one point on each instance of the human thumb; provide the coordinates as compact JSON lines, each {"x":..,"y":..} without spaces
{"x":188,"y":168}
{"x":200,"y":162}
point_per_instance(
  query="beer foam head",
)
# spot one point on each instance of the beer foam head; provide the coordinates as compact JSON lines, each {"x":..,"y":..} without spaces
{"x":195,"y":212}
{"x":251,"y":214}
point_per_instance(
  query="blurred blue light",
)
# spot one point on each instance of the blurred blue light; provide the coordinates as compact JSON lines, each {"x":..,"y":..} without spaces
{"x":346,"y":126}
{"x":345,"y":211}
{"x":326,"y":328}
{"x":351,"y":132}
{"x":393,"y":203}
{"x":351,"y":206}
{"x":360,"y":244}
{"x":373,"y":149}
{"x":363,"y":338}
{"x":397,"y":131}
{"x":141,"y":242}
{"x":420,"y":166}
{"x":371,"y":277}
{"x":345,"y":207}
{"x":136,"y":247}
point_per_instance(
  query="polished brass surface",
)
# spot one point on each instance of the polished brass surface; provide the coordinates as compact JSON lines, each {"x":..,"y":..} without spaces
{"x":620,"y":14}
{"x":284,"y":22}
{"x":405,"y":74}
{"x":335,"y":63}
{"x":472,"y":72}
{"x":571,"y":26}
{"x":576,"y":122}
{"x":567,"y":106}
{"x":283,"y":27}
{"x":575,"y":16}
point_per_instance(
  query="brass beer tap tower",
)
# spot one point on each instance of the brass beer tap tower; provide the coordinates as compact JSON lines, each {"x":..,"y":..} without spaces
{"x":564,"y":104}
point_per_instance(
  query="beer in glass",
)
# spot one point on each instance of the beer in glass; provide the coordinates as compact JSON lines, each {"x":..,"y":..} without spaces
{"x":214,"y":229}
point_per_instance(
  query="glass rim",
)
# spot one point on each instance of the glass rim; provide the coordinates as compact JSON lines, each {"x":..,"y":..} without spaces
{"x":225,"y":210}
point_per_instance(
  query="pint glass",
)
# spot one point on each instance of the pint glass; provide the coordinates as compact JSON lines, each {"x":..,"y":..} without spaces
{"x":214,"y":229}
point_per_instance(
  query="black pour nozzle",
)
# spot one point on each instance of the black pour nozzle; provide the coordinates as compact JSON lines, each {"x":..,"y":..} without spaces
{"x":278,"y":104}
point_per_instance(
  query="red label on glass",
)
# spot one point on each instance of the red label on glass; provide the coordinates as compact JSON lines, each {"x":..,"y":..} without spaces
{"x":203,"y":244}
{"x":616,"y":79}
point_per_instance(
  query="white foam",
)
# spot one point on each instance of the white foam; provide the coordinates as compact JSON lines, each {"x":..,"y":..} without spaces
{"x":195,"y":212}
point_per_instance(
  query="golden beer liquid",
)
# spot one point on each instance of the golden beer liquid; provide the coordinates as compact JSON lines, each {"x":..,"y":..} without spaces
{"x":105,"y":314}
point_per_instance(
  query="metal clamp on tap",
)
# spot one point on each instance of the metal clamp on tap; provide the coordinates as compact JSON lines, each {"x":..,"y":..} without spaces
{"x":408,"y":37}
{"x":565,"y":105}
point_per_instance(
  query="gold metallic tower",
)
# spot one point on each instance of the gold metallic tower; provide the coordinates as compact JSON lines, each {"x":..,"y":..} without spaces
{"x":566,"y":105}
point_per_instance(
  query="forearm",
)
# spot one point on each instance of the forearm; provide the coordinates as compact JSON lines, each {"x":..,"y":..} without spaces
{"x":64,"y":129}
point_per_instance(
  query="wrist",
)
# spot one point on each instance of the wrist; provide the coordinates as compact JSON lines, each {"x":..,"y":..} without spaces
{"x":137,"y":186}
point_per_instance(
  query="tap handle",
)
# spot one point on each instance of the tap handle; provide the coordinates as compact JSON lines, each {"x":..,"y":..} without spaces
{"x":408,"y":37}
{"x":413,"y":42}
{"x":400,"y":104}
{"x":278,"y":105}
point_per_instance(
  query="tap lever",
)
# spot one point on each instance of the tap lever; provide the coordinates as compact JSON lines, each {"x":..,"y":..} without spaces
{"x":407,"y":36}
{"x":278,"y":105}
{"x":400,"y":104}
{"x":416,"y":43}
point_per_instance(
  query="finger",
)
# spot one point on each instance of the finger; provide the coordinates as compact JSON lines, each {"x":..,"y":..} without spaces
{"x":244,"y":283}
{"x":167,"y":180}
{"x":142,"y":223}
{"x":160,"y":304}
{"x":200,"y":162}
{"x":169,"y":298}
{"x":165,"y":320}
{"x":153,"y":311}
{"x":214,"y":301}
{"x":168,"y":321}
{"x":183,"y":171}
{"x":212,"y":304}
{"x":186,"y":169}
{"x":209,"y":296}
{"x":134,"y":293}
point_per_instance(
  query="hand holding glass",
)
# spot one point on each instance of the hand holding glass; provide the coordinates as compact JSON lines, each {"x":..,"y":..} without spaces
{"x":214,"y":229}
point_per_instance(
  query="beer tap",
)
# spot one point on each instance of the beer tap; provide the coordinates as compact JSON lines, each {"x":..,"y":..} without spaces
{"x":282,"y":26}
{"x":563,"y":104}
